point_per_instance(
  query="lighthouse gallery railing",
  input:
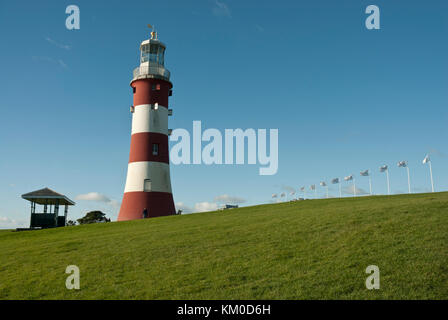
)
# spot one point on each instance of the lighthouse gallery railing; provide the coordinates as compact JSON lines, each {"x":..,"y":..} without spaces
{"x":144,"y":71}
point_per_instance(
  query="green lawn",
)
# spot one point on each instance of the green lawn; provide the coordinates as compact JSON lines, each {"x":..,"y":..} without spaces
{"x":314,"y":249}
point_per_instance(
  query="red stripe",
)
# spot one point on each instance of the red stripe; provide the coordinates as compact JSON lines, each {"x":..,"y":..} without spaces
{"x":144,"y":93}
{"x":157,"y":204}
{"x":141,"y":147}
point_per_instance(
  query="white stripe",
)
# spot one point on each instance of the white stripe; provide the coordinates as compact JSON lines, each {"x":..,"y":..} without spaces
{"x":157,"y":172}
{"x":148,"y":119}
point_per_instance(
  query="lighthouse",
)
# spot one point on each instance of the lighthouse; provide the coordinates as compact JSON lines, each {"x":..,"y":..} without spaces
{"x":147,"y":191}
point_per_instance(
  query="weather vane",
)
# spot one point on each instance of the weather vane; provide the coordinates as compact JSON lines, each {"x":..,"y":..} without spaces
{"x":153,"y":33}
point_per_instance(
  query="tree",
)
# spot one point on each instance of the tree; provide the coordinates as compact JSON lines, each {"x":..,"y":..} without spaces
{"x":93,"y":217}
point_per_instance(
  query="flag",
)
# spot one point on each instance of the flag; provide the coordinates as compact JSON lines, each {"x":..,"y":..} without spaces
{"x":348,"y":178}
{"x":302,"y":189}
{"x":426,"y":160}
{"x":402,"y":164}
{"x":335,"y":180}
{"x":364,"y":173}
{"x":383,"y":168}
{"x":274,"y":195}
{"x":282,"y":194}
{"x":293,"y":193}
{"x":313,"y":187}
{"x":323,"y":184}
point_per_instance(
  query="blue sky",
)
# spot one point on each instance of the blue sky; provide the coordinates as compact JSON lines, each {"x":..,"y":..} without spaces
{"x":343,"y":98}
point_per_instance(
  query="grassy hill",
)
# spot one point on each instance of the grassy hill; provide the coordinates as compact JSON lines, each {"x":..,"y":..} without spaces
{"x":314,"y":249}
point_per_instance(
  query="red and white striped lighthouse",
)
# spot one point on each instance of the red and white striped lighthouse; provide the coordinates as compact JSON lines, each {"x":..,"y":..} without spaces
{"x":148,"y":183}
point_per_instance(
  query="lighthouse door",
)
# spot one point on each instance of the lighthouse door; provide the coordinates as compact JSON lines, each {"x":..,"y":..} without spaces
{"x":147,"y":185}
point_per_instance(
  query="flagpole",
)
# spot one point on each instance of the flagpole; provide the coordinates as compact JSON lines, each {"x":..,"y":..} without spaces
{"x":327,"y":192}
{"x":340,"y":192}
{"x":409,"y":180}
{"x":388,"y":185}
{"x":354,"y":188}
{"x":430,"y":172}
{"x":370,"y":185}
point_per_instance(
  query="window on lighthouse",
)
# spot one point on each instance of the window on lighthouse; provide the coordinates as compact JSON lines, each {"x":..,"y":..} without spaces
{"x":153,"y":50}
{"x":161,"y":55}
{"x":147,"y":185}
{"x":145,"y":53}
{"x":155,"y":149}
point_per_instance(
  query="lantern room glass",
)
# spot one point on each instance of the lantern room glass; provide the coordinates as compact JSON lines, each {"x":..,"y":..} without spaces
{"x":152,"y":52}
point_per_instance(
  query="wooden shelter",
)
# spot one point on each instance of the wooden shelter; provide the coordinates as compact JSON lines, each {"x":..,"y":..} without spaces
{"x":50,"y":200}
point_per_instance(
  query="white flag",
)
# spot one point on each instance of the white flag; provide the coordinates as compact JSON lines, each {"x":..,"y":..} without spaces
{"x":323,"y":184}
{"x":335,"y":180}
{"x":302,"y":189}
{"x":364,"y":173}
{"x":348,"y":178}
{"x":313,"y":187}
{"x":274,"y":195}
{"x":402,"y":164}
{"x":383,"y":168}
{"x":293,"y":193}
{"x":426,"y":160}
